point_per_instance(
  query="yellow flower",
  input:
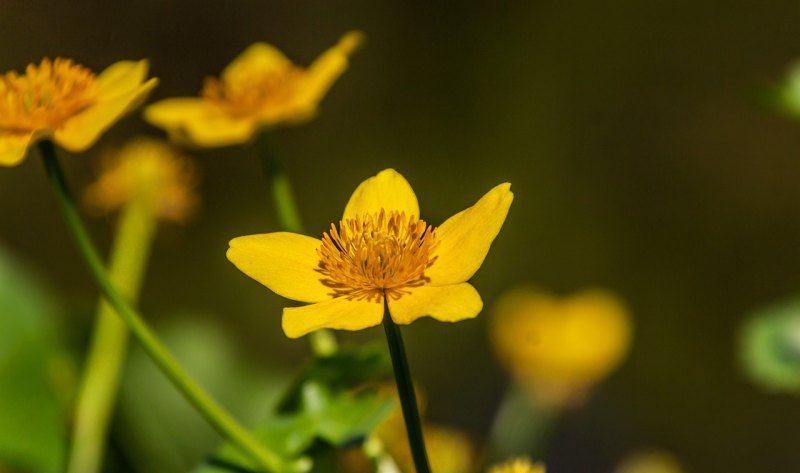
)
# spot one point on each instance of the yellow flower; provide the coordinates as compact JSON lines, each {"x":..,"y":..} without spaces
{"x":151,"y":168}
{"x":260,"y":88}
{"x":380,"y":250}
{"x":518,"y":465}
{"x":449,"y":450}
{"x":65,"y":102}
{"x":559,"y":348}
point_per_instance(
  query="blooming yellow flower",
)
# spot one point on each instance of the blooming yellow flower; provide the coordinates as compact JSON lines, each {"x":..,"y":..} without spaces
{"x":560,"y":347}
{"x":146,"y":167}
{"x":67,"y":103}
{"x":380,"y":250}
{"x":518,"y":465}
{"x":260,"y":88}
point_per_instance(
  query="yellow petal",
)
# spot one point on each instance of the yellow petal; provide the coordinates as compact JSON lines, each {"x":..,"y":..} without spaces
{"x":121,"y":77}
{"x":256,"y":59}
{"x":199,"y":122}
{"x":445,"y":303}
{"x":81,"y":131}
{"x":465,"y":238}
{"x":284,"y":262}
{"x":340,"y":313}
{"x":14,"y":147}
{"x":388,"y":190}
{"x":324,"y":71}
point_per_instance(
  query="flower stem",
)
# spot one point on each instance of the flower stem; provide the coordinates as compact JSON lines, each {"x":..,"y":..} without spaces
{"x":214,"y":414}
{"x":323,"y":343}
{"x":405,"y":389}
{"x":98,"y":391}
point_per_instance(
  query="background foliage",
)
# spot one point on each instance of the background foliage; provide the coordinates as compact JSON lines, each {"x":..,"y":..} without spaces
{"x":639,"y":158}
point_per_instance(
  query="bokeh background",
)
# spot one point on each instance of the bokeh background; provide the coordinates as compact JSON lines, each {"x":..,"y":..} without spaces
{"x":640,"y":159}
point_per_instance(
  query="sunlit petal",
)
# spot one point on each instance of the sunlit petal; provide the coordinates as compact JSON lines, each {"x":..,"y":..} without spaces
{"x":325,"y":70}
{"x":81,"y":131}
{"x":14,"y":147}
{"x":388,"y":190}
{"x":257,"y":58}
{"x":121,"y":78}
{"x":202,"y":123}
{"x":465,"y":238}
{"x":445,"y":303}
{"x":284,"y":262}
{"x":340,"y":313}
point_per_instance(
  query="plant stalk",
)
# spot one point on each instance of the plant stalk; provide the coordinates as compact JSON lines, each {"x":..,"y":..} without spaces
{"x":405,"y":389}
{"x":214,"y":414}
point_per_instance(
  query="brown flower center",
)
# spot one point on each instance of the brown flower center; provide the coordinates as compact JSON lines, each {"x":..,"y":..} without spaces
{"x":46,"y":95}
{"x":254,"y":91}
{"x":376,"y":254}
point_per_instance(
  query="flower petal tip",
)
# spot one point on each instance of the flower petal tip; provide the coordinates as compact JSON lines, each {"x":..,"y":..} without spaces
{"x":351,"y":41}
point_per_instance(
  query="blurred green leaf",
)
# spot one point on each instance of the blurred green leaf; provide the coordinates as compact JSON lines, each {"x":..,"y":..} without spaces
{"x":32,"y":427}
{"x":770,"y":346}
{"x":345,"y":369}
{"x":321,"y":405}
{"x":158,"y":430}
{"x":784,"y":97}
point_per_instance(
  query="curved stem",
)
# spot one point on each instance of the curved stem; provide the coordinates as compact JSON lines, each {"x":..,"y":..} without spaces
{"x":323,"y":343}
{"x":405,"y":389}
{"x":215,"y":414}
{"x":100,"y":382}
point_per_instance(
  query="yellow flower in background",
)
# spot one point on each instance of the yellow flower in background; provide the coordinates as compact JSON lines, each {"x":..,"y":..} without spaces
{"x":260,"y":88}
{"x":650,"y":461}
{"x":380,"y":250}
{"x":558,"y":348}
{"x":449,"y":450}
{"x":518,"y":465}
{"x":65,"y":102}
{"x":146,"y":167}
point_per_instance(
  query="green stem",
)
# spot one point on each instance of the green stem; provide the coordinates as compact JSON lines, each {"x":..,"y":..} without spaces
{"x":215,"y":414}
{"x":98,"y":392}
{"x":405,"y":389}
{"x":323,"y":342}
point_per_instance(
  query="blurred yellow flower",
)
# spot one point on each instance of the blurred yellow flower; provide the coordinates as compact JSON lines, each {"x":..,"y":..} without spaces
{"x":65,"y":102}
{"x":150,"y":168}
{"x":518,"y":465}
{"x":380,"y":251}
{"x":558,"y":348}
{"x":260,"y":88}
{"x":449,"y":450}
{"x":650,"y":461}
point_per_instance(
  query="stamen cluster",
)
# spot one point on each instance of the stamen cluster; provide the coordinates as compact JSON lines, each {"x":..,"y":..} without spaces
{"x":46,"y":95}
{"x":379,"y":254}
{"x":252,"y":91}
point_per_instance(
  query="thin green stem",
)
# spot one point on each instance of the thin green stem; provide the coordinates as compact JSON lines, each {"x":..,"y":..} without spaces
{"x":405,"y":389}
{"x":215,"y":414}
{"x":98,"y":391}
{"x":323,"y":342}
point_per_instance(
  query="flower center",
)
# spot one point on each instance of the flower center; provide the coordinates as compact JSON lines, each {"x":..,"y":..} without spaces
{"x":46,"y":95}
{"x":378,"y":254}
{"x":253,"y":91}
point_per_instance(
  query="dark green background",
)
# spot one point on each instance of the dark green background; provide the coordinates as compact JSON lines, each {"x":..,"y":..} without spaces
{"x":639,"y":159}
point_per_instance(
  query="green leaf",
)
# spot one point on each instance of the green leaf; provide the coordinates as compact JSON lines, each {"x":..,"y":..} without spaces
{"x":770,"y":346}
{"x":159,"y":430}
{"x":321,"y":406}
{"x":32,"y":426}
{"x":345,"y":369}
